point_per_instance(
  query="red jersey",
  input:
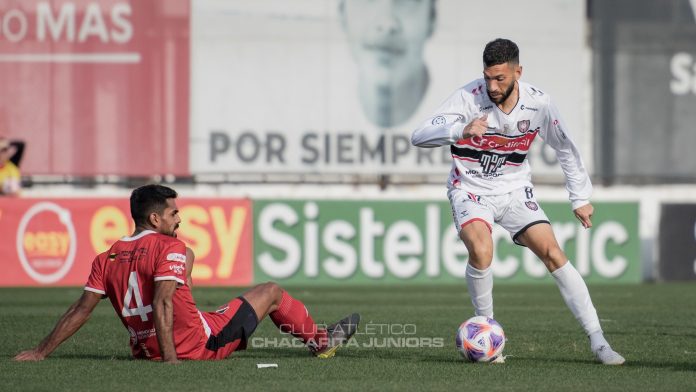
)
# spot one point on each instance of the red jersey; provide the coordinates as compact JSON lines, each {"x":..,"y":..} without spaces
{"x":126,"y":274}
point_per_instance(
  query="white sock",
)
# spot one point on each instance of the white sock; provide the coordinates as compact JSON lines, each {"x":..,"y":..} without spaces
{"x":597,"y":341}
{"x":577,"y":297}
{"x":480,"y":286}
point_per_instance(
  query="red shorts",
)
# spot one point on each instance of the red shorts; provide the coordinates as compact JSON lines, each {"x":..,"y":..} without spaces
{"x":230,"y":328}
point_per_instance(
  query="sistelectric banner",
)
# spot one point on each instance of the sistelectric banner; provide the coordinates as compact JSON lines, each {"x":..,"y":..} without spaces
{"x":329,"y":86}
{"x":96,"y":87}
{"x":325,"y":242}
{"x":52,"y":242}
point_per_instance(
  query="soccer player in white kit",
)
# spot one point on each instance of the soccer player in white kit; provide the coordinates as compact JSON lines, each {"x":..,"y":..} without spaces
{"x":490,"y":124}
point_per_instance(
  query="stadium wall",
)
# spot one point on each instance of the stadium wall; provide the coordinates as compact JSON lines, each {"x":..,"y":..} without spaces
{"x":336,"y":235}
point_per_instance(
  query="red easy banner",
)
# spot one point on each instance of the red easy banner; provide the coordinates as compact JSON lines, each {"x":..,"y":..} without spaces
{"x":53,"y":241}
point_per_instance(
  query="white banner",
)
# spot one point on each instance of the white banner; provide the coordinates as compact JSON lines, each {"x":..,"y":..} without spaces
{"x":318,"y":86}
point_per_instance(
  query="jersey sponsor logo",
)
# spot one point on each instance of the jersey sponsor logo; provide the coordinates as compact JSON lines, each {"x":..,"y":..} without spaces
{"x":478,"y":90}
{"x":128,"y":256}
{"x":176,"y":257}
{"x":491,"y":162}
{"x":500,"y":142}
{"x":178,"y":269}
{"x":531,"y":205}
{"x":523,"y":107}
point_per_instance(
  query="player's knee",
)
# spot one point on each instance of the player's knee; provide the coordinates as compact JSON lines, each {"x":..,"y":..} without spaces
{"x":554,"y":257}
{"x":273,"y":289}
{"x":480,"y":256}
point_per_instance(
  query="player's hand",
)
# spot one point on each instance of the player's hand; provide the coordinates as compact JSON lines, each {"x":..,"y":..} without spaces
{"x":29,"y":355}
{"x":477,"y":127}
{"x":584,"y":215}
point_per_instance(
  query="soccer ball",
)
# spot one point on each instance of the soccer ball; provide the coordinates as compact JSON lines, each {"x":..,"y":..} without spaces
{"x":480,"y":339}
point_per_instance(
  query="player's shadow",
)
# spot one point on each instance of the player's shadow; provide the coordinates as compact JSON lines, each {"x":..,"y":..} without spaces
{"x":275,"y":352}
{"x":675,"y":366}
{"x":101,"y":357}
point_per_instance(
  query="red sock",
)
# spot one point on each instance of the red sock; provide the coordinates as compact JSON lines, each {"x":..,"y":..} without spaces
{"x":292,"y":317}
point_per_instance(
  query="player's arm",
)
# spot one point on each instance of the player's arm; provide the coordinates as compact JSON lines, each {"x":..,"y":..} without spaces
{"x":578,"y":183}
{"x":584,"y":215}
{"x":190,"y":257}
{"x":453,"y":120}
{"x":73,"y":319}
{"x":163,"y":310}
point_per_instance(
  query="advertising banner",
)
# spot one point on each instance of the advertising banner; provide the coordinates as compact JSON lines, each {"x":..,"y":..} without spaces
{"x":53,"y":241}
{"x":322,"y":242}
{"x":96,"y":87}
{"x":677,"y":242}
{"x":338,"y":86}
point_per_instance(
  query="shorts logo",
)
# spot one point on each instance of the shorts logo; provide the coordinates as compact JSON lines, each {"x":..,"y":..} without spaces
{"x":439,"y":120}
{"x":474,"y":198}
{"x":222,"y":310}
{"x":531,"y":205}
{"x":523,"y":126}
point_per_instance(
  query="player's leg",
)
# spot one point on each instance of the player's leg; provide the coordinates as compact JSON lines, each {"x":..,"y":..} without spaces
{"x":290,"y":315}
{"x":474,"y":221}
{"x":479,"y":278}
{"x":541,"y":240}
{"x":538,"y":236}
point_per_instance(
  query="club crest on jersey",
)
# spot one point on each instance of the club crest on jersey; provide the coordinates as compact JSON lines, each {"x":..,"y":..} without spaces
{"x":439,"y":120}
{"x":531,"y":205}
{"x":523,"y":126}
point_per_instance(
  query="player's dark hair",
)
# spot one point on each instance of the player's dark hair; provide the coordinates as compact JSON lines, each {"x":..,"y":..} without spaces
{"x":148,"y":199}
{"x":500,"y":51}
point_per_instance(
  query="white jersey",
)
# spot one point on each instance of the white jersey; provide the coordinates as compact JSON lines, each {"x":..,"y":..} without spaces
{"x":497,"y":163}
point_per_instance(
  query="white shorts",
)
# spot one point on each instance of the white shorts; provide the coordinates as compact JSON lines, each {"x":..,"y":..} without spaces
{"x":515,"y":211}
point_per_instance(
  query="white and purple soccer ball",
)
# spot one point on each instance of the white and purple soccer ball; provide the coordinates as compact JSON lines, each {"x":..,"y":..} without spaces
{"x":480,"y":339}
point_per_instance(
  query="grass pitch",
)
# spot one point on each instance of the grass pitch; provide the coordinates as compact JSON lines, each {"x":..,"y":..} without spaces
{"x":405,"y":342}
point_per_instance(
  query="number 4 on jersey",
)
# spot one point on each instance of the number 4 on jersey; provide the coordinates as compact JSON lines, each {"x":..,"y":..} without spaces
{"x":139,"y":310}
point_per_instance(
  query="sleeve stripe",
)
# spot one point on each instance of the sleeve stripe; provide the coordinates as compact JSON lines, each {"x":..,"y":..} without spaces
{"x":158,"y":278}
{"x":92,"y":289}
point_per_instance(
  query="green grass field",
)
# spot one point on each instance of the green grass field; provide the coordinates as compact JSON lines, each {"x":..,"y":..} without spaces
{"x":653,"y":326}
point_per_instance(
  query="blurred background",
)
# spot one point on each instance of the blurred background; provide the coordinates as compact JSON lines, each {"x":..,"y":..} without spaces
{"x":285,"y":126}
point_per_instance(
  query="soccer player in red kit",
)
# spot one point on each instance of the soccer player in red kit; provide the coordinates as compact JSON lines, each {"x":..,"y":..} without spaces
{"x":147,"y":279}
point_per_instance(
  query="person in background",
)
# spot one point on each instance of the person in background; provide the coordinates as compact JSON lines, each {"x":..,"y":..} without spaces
{"x":10,"y":183}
